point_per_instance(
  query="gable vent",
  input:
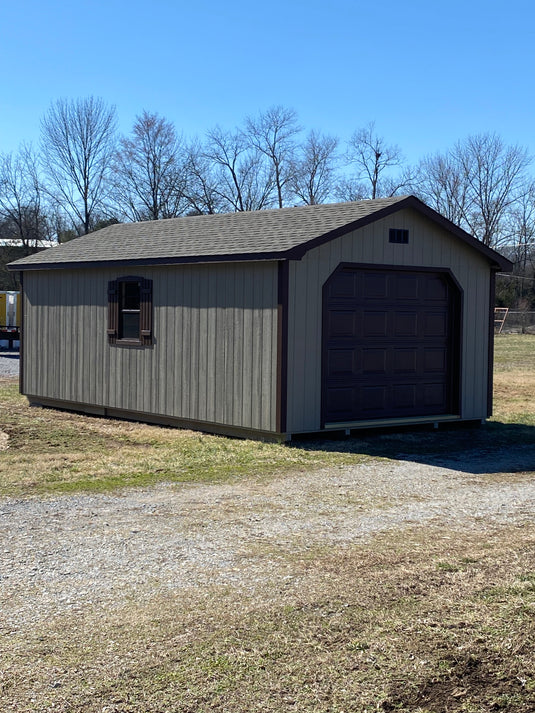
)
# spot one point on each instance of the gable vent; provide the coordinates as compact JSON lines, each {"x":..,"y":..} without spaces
{"x":398,"y":235}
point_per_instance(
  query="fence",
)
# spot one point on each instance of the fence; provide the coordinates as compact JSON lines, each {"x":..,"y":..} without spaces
{"x":519,"y":321}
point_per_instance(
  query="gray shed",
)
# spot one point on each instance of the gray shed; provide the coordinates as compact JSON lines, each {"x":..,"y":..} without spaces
{"x":267,"y":323}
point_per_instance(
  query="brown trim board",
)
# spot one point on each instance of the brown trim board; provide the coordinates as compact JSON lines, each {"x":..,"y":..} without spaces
{"x":158,"y":419}
{"x":21,"y":335}
{"x":282,"y":345}
{"x":152,"y":261}
{"x":490,"y":375}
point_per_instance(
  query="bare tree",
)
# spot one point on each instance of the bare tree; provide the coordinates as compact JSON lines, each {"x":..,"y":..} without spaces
{"x":349,"y":188}
{"x":273,"y":133}
{"x":149,"y":176}
{"x":477,"y":185}
{"x":244,"y":181}
{"x":372,"y":157}
{"x":496,"y":179}
{"x":442,"y":184}
{"x":21,"y":200}
{"x":78,"y":143}
{"x":201,"y":188}
{"x":312,"y":178}
{"x":522,"y":231}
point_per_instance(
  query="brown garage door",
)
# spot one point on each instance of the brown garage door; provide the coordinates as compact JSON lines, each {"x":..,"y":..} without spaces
{"x":390,"y":344}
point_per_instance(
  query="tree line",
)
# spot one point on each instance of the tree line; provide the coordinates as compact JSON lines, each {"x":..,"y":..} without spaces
{"x":83,"y":175}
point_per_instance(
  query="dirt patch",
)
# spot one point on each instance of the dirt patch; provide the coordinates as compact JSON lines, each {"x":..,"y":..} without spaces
{"x":464,"y":676}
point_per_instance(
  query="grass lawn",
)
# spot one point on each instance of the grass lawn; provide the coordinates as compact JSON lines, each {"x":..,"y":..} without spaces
{"x":52,"y":451}
{"x":514,"y":379}
{"x":431,"y":624}
{"x":434,"y":621}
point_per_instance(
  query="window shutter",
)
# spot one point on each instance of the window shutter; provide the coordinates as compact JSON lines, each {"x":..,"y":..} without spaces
{"x":113,"y":311}
{"x":146,"y":312}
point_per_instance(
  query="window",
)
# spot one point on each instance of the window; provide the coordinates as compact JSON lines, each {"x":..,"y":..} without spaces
{"x":130,"y":311}
{"x":398,"y":235}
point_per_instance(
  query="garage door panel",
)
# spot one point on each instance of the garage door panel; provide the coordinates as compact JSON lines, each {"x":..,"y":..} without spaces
{"x":341,"y":324}
{"x":374,"y":361}
{"x":434,"y":395}
{"x":375,"y":324}
{"x":375,"y":285}
{"x":435,"y":324}
{"x":405,"y":324}
{"x":345,"y":287}
{"x":341,"y":363}
{"x":373,"y":400}
{"x":388,"y":349}
{"x":405,"y":287}
{"x":341,"y":403}
{"x":435,"y":288}
{"x":404,"y":396}
{"x":435,"y":360}
{"x":404,"y":361}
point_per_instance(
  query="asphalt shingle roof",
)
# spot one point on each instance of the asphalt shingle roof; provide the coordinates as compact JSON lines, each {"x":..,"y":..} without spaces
{"x":266,"y":234}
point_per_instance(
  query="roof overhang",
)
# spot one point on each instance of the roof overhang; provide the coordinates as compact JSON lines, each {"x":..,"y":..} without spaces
{"x":162,"y":262}
{"x":496,"y":261}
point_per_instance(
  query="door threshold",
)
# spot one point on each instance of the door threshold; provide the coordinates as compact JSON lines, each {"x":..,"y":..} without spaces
{"x":393,"y":421}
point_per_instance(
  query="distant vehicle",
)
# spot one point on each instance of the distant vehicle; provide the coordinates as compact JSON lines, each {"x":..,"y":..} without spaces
{"x":10,"y":308}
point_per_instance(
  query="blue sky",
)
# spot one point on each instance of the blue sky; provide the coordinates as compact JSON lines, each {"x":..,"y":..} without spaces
{"x":427,"y":73}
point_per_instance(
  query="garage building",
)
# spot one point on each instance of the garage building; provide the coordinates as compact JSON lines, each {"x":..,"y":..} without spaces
{"x":266,"y":323}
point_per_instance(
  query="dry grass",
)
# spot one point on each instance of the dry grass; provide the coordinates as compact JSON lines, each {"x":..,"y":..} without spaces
{"x":431,"y":622}
{"x":52,"y":451}
{"x":513,"y":396}
{"x":514,"y":352}
{"x":49,"y":451}
{"x":441,"y":623}
{"x":514,"y":378}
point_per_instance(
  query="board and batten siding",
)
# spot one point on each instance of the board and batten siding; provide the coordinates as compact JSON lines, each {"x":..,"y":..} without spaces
{"x":429,"y":246}
{"x":214,"y":356}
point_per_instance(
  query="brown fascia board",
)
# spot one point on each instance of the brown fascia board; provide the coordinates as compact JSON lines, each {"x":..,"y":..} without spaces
{"x":191,"y":259}
{"x":497,"y":261}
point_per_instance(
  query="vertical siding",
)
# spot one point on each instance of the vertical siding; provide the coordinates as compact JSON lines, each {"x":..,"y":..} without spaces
{"x":214,"y":352}
{"x":429,"y":246}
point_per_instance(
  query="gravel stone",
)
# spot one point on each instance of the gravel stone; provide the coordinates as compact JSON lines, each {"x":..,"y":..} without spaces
{"x":66,"y":553}
{"x":9,"y":363}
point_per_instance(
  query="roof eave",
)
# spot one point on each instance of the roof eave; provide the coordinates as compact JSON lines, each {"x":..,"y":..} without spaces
{"x":497,"y":261}
{"x":188,"y":260}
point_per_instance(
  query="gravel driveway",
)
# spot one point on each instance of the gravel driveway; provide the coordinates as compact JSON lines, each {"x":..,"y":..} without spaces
{"x":9,"y":363}
{"x":100,"y":550}
{"x":71,"y":551}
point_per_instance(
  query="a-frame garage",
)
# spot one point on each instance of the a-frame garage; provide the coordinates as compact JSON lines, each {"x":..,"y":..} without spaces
{"x":267,"y":323}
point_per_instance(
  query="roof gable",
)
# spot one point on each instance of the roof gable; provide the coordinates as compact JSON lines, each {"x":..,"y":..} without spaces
{"x":284,"y":233}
